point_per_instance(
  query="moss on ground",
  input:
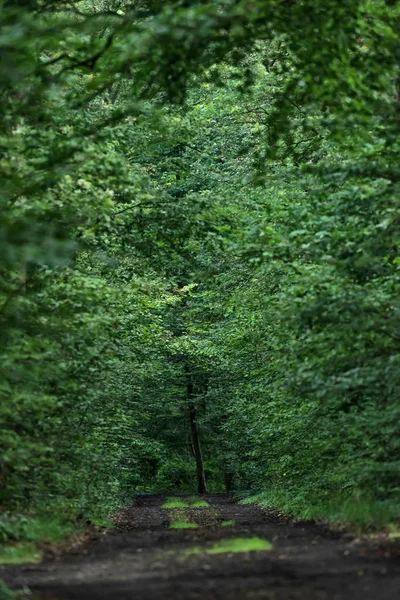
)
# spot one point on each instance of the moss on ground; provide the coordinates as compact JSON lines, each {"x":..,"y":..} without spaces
{"x":233,"y":545}
{"x":175,"y":503}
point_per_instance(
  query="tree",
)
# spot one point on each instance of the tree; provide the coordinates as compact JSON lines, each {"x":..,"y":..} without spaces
{"x":194,"y":192}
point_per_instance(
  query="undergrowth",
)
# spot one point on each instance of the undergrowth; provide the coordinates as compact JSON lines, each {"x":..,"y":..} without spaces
{"x":356,"y":510}
{"x":7,"y":594}
{"x":19,"y":553}
{"x":23,"y":536}
{"x":44,"y":528}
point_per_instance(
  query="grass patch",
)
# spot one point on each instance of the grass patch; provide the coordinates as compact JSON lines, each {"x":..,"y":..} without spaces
{"x":23,"y":552}
{"x":394,"y":534}
{"x":21,"y":536}
{"x":356,"y":510}
{"x":181,"y":520}
{"x":240,"y":545}
{"x":198,"y":503}
{"x":47,"y":530}
{"x":175,"y":503}
{"x":182,"y":525}
{"x":228,"y":523}
{"x":193,"y":502}
{"x":233,"y":545}
{"x":41,"y":528}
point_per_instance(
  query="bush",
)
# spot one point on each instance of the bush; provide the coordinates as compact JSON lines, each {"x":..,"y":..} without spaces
{"x":176,"y":475}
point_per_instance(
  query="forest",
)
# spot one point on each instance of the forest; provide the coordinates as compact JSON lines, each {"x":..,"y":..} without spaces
{"x":200,"y":269}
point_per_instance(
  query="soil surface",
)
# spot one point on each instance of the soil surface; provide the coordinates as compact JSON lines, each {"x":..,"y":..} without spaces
{"x":143,"y":559}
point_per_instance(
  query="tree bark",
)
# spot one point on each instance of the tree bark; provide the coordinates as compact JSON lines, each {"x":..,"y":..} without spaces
{"x":201,"y":478}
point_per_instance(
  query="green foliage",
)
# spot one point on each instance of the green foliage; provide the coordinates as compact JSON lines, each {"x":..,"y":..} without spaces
{"x":362,"y":512}
{"x":175,"y":503}
{"x":193,"y":502}
{"x":194,"y":192}
{"x":7,"y":594}
{"x":198,"y":503}
{"x":46,"y":528}
{"x":16,"y":554}
{"x":176,"y":475}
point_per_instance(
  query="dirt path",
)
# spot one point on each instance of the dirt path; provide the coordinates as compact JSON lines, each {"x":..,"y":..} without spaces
{"x":145,"y":559}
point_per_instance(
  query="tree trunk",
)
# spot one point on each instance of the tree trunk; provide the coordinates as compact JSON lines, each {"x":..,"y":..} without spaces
{"x":201,"y":478}
{"x":228,"y":480}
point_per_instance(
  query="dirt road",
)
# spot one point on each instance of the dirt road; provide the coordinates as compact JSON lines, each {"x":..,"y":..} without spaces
{"x":217,"y":550}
